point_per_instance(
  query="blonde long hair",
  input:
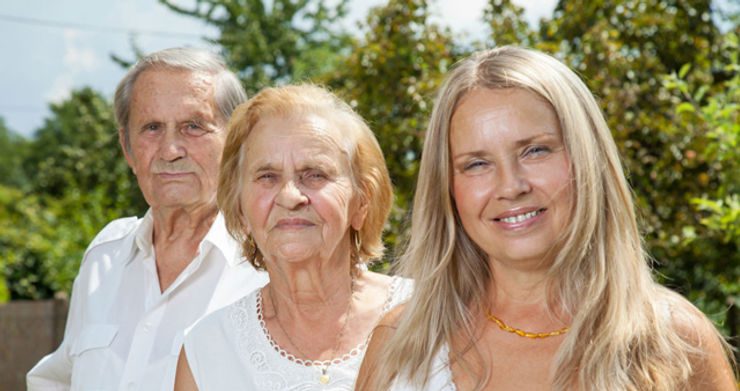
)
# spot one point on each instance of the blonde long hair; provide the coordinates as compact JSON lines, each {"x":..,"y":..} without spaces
{"x":620,"y":337}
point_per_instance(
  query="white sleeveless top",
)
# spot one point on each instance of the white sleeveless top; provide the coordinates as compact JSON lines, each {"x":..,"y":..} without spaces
{"x":231,"y":349}
{"x":440,"y":376}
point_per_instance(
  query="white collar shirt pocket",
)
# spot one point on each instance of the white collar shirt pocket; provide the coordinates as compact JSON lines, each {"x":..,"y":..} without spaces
{"x":93,"y":358}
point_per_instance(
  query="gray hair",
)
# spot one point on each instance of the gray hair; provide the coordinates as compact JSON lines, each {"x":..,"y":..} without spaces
{"x":229,"y":92}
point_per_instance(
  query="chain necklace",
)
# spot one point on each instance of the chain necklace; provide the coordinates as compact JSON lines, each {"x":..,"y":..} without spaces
{"x":324,"y":365}
{"x":526,"y":334}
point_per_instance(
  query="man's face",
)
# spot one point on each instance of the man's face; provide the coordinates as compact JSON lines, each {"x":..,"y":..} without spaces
{"x":176,"y":138}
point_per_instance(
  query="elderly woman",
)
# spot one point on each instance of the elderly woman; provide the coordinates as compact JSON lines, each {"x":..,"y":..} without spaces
{"x":305,"y":188}
{"x":528,"y":261}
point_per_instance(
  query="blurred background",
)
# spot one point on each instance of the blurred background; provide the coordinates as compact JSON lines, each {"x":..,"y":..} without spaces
{"x":665,"y":72}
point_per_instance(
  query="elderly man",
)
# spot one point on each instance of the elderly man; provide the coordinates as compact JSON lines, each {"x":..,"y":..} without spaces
{"x":144,"y":282}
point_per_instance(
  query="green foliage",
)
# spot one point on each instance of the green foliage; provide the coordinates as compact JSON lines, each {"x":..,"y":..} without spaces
{"x":507,"y":25}
{"x":43,"y":242}
{"x":77,"y":152}
{"x":12,"y":151}
{"x":78,"y":181}
{"x":270,"y":41}
{"x":390,"y":78}
{"x":715,"y":114}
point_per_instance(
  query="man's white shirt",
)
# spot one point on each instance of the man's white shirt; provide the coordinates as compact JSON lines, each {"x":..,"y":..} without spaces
{"x":122,"y":332}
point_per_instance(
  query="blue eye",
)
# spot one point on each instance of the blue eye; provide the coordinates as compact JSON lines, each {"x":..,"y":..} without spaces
{"x":314,"y":176}
{"x":194,"y":129}
{"x":266,"y":177}
{"x":536,"y":150}
{"x":477,"y":164}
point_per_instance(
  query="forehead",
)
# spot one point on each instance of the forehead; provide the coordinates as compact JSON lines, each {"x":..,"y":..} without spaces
{"x":510,"y":112}
{"x":312,"y":129}
{"x":166,"y":90}
{"x":308,"y":136}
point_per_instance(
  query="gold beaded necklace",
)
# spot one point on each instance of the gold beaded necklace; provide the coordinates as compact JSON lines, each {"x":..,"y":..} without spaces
{"x":522,"y":333}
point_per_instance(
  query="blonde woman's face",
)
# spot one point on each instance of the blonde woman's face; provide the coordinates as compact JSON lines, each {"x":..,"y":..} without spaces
{"x":298,"y":198}
{"x":511,"y":176}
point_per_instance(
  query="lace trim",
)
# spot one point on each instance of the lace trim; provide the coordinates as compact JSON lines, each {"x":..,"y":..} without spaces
{"x":321,"y":363}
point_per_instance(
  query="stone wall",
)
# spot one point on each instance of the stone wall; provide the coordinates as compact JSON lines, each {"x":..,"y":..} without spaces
{"x":28,"y":331}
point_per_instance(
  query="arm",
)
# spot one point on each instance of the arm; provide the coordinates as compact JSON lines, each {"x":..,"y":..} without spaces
{"x":54,"y":371}
{"x":711,"y":366}
{"x":184,"y":380}
{"x":381,"y":334}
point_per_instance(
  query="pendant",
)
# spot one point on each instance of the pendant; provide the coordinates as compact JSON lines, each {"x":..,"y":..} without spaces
{"x":324,"y":378}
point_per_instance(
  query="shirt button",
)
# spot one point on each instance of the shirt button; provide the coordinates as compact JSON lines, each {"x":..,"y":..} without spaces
{"x":147,"y":326}
{"x":131,"y":386}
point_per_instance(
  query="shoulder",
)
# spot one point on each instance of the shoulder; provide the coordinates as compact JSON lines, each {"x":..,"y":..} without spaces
{"x":220,"y":324}
{"x":708,"y":352}
{"x":394,"y":289}
{"x":389,"y":321}
{"x":114,"y":231}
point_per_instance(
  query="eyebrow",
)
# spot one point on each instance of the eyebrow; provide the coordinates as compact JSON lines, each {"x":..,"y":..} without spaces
{"x":306,"y":166}
{"x":519,"y":143}
{"x":543,"y":135}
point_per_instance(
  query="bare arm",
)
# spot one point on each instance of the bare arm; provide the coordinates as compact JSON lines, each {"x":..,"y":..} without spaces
{"x":184,"y":380}
{"x":711,"y":366}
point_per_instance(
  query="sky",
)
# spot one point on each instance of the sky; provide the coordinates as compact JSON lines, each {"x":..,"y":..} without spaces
{"x":51,"y":47}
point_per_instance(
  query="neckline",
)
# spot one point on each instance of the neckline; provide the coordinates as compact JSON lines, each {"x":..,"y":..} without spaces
{"x":334,"y":361}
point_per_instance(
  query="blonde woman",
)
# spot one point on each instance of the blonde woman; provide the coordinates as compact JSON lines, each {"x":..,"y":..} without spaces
{"x":305,"y":189}
{"x":529,"y":269}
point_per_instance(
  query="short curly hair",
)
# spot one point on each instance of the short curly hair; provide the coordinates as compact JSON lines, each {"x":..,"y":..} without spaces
{"x":369,"y":171}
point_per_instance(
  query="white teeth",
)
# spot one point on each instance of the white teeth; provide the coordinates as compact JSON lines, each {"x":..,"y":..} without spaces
{"x":521,"y":217}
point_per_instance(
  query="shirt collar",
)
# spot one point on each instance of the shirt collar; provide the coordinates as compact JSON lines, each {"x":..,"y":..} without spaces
{"x":220,"y":238}
{"x":217,"y":236}
{"x":143,"y":234}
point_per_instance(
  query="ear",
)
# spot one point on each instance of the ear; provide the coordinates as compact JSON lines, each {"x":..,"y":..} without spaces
{"x":126,"y":152}
{"x":357,"y":219}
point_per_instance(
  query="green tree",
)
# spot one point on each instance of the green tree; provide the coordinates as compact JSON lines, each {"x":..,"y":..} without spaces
{"x":77,"y":151}
{"x":390,"y":78}
{"x":273,"y":41}
{"x":78,"y":181}
{"x":713,"y":117}
{"x":12,"y":151}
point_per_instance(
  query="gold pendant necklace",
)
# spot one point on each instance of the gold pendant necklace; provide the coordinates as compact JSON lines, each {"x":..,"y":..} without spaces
{"x":324,"y":378}
{"x":522,"y":333}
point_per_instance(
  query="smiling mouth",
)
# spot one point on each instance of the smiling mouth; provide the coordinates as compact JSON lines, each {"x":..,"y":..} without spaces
{"x":521,"y":217}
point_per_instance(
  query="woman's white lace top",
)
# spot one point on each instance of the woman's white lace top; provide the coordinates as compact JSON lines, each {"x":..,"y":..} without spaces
{"x":232,"y":350}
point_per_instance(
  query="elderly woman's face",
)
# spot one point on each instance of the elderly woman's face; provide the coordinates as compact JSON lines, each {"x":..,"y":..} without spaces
{"x":298,"y":197}
{"x":511,"y":174}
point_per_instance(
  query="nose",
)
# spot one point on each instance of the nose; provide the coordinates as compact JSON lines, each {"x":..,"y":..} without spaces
{"x":512,"y":182}
{"x":290,"y":196}
{"x":172,"y":147}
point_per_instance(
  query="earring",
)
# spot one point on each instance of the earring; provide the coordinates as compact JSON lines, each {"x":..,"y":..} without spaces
{"x":357,"y":243}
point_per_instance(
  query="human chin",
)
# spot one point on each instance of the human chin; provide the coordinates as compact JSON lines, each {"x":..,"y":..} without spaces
{"x":295,"y":251}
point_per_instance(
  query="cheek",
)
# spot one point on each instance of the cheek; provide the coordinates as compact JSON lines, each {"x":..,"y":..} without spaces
{"x":256,"y":206}
{"x":558,"y":184}
{"x":469,"y":192}
{"x":333,"y":205}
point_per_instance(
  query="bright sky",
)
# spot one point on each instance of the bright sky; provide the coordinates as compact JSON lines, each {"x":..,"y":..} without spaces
{"x":52,"y":47}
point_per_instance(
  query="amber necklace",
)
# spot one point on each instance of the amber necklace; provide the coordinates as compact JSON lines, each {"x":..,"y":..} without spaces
{"x":526,"y":334}
{"x":323,"y":365}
